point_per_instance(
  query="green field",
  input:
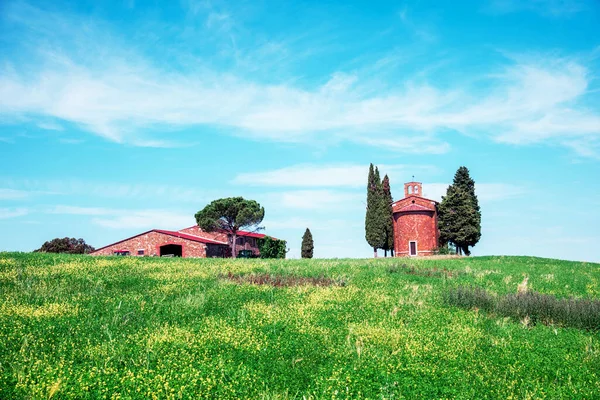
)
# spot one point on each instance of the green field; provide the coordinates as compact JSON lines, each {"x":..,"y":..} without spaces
{"x":124,"y":327}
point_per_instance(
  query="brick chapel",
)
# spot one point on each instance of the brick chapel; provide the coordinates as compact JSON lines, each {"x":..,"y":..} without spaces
{"x":416,"y":230}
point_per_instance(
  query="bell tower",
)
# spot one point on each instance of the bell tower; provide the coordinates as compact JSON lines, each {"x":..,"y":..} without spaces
{"x":413,"y":189}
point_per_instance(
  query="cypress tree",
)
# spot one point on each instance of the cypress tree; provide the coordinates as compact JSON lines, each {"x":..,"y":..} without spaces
{"x":307,"y":245}
{"x":374,"y":229}
{"x":459,"y":213}
{"x":388,"y":216}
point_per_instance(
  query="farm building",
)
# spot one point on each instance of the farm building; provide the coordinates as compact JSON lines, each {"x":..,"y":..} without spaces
{"x":187,"y":242}
{"x":416,"y":230}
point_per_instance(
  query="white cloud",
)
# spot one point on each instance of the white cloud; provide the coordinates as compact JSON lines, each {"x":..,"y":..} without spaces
{"x":74,"y":210}
{"x":327,"y":175}
{"x":318,"y":199}
{"x":71,"y":187}
{"x":486,"y":192}
{"x":122,"y":96}
{"x":129,"y":219}
{"x":12,"y":194}
{"x":6,"y":213}
{"x":553,"y":8}
{"x":147,"y":219}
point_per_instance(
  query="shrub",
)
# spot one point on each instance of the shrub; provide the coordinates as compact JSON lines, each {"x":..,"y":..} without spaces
{"x":66,"y":245}
{"x":470,"y":297}
{"x":427,"y":272}
{"x":537,"y":307}
{"x":271,"y":248}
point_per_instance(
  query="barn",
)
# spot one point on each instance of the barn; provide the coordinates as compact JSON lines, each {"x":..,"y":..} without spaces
{"x":187,"y":242}
{"x":416,"y":230}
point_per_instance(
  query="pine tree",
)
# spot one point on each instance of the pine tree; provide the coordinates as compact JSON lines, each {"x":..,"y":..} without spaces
{"x":388,"y":216}
{"x":459,"y":213}
{"x":307,"y":245}
{"x":374,"y":229}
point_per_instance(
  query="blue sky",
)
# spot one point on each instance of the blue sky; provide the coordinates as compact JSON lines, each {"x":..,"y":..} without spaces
{"x":118,"y":117}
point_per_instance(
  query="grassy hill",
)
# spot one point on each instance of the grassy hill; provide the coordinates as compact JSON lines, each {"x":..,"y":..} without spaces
{"x":85,"y":327}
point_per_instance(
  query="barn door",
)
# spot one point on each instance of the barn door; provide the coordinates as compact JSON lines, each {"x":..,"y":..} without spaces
{"x":413,"y":248}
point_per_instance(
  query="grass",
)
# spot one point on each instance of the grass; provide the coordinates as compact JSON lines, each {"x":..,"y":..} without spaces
{"x":84,"y":327}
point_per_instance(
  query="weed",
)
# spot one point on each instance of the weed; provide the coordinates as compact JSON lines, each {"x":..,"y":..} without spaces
{"x":530,"y":307}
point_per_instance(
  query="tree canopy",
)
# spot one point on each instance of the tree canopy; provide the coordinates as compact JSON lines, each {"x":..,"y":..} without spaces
{"x":388,"y":215}
{"x":66,"y":245}
{"x":231,"y":215}
{"x":375,"y":233}
{"x":307,"y":244}
{"x":459,"y":213}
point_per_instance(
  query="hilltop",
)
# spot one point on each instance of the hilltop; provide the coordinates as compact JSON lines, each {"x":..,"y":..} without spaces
{"x":143,"y":327}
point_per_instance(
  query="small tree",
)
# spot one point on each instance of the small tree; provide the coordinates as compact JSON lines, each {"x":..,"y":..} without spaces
{"x":272,"y":248}
{"x":231,"y":215}
{"x":374,"y":228}
{"x":307,"y":244}
{"x":66,"y":245}
{"x":459,"y":213}
{"x":388,"y":216}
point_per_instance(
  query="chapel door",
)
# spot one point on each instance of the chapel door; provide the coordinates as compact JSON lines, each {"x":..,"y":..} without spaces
{"x":413,"y":248}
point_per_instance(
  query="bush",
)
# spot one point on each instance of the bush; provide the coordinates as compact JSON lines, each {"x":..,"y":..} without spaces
{"x":538,"y":307}
{"x":470,"y":297}
{"x":272,"y":248}
{"x":443,"y":251}
{"x":66,"y":245}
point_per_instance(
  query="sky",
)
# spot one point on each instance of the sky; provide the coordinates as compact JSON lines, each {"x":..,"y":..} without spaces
{"x":120,"y":117}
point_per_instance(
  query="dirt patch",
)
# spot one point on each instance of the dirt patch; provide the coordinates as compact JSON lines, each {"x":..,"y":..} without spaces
{"x":283,"y":280}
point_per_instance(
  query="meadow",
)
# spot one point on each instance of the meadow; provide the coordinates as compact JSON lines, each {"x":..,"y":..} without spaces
{"x":125,"y":327}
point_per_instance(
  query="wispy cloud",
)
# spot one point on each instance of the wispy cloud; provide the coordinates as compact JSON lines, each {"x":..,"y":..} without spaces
{"x":318,"y":199}
{"x":12,"y":194}
{"x":73,"y":187}
{"x":128,"y":219}
{"x":486,"y":192}
{"x":6,"y":213}
{"x":551,"y":8}
{"x":328,"y":175}
{"x":123,"y":96}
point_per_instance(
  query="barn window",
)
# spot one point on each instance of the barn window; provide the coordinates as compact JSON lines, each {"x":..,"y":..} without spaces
{"x":121,"y":253}
{"x":141,"y":252}
{"x":410,"y":190}
{"x":416,"y":189}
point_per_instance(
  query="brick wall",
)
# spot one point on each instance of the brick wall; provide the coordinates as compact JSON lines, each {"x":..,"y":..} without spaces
{"x":419,"y":225}
{"x":150,"y":242}
{"x":243,"y":242}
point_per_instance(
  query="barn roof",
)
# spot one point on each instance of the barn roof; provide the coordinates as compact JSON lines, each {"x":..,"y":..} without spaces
{"x":188,"y":236}
{"x":240,"y":233}
{"x":170,"y":233}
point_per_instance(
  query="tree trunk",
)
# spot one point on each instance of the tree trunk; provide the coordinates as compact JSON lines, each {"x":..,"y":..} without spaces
{"x":385,"y":253}
{"x":233,"y":245}
{"x":392,"y":253}
{"x":375,"y":252}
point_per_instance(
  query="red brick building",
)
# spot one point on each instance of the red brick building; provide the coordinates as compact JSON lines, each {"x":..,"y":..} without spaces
{"x":187,"y":242}
{"x":415,"y":223}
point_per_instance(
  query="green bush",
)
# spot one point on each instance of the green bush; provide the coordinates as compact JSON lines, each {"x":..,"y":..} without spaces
{"x":272,"y":248}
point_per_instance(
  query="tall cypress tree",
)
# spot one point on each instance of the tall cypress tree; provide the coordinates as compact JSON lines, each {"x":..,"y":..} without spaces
{"x":307,"y":244}
{"x":459,"y":213}
{"x":388,"y":216}
{"x":374,"y":229}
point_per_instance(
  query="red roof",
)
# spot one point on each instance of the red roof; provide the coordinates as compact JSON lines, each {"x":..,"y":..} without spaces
{"x":239,"y":233}
{"x":413,"y":207}
{"x":164,"y":232}
{"x":188,"y":237}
